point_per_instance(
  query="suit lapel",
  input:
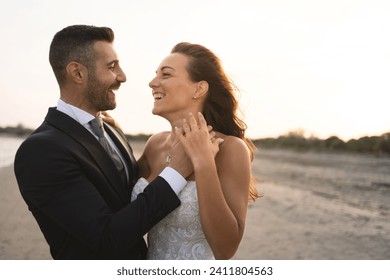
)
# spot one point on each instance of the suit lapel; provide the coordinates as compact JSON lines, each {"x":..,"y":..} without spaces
{"x":80,"y":134}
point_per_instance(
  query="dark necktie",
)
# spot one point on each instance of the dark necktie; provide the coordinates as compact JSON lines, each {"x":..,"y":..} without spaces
{"x":98,"y":130}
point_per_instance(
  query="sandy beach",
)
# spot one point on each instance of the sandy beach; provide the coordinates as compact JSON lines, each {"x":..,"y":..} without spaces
{"x":315,"y":207}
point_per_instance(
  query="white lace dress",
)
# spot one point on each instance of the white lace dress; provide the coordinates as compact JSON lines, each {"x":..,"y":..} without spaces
{"x":179,"y":235}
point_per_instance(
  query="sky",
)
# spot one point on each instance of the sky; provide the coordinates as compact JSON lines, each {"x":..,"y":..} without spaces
{"x":322,"y":67}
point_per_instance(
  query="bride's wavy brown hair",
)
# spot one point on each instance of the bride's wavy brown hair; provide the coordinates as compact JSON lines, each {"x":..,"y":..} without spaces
{"x":220,"y":107}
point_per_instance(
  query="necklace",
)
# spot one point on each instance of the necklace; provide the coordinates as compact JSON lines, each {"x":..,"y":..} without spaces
{"x":168,"y":158}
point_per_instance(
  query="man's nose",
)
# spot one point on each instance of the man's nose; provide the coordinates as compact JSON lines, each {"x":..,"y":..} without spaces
{"x":121,"y":77}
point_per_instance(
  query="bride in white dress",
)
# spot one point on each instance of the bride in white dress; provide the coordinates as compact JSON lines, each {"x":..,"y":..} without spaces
{"x":179,"y":235}
{"x":210,"y":221}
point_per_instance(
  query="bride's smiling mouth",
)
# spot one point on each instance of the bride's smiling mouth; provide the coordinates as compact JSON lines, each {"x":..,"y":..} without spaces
{"x":158,"y":96}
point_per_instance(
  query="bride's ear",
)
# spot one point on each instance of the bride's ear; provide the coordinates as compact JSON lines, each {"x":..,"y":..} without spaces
{"x":202,"y":89}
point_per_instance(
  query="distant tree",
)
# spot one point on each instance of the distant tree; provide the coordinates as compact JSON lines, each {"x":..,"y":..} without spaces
{"x":334,"y":143}
{"x":18,"y":130}
{"x":384,"y":145}
{"x":315,"y":143}
{"x":298,"y":133}
{"x":365,"y":144}
{"x":296,"y":140}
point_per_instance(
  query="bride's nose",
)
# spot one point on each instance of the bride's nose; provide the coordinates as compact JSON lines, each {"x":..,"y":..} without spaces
{"x":153,"y":83}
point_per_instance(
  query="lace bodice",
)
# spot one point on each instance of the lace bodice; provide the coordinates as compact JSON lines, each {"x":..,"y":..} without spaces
{"x":179,"y":236}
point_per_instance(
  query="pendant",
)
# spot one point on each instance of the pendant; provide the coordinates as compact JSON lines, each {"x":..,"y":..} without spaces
{"x":168,"y":159}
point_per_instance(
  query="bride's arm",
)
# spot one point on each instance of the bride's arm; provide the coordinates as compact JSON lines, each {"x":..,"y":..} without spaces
{"x":222,"y":186}
{"x":226,"y":228}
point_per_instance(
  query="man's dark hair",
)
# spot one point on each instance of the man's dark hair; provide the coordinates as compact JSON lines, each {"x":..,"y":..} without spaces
{"x":75,"y":43}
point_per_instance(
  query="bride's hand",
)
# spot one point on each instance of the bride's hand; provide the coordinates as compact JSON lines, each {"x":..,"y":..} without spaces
{"x":110,"y":120}
{"x":198,"y":139}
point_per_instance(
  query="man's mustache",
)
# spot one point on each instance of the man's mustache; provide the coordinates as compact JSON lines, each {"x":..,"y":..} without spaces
{"x":115,"y":86}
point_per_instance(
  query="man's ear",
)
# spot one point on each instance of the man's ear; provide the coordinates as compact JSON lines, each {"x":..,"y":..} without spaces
{"x":201,"y":89}
{"x":76,"y":72}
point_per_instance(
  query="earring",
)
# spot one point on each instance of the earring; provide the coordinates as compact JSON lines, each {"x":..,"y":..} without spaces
{"x":195,"y":98}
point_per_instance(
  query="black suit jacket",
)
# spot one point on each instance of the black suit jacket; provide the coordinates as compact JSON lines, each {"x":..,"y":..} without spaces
{"x":74,"y":191}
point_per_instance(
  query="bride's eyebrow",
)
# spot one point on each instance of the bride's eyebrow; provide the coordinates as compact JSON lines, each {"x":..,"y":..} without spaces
{"x":167,"y":67}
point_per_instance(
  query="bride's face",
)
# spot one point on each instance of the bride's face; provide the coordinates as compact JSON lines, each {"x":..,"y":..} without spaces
{"x":172,"y":89}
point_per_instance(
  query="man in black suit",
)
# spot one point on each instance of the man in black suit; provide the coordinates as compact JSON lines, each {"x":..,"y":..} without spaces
{"x":78,"y":196}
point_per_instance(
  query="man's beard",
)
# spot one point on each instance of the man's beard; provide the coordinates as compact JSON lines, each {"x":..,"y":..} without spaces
{"x":98,"y":96}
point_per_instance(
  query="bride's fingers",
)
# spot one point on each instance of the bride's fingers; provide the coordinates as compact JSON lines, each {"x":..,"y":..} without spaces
{"x":107,"y":117}
{"x":192,"y":122}
{"x":202,"y":121}
{"x":186,"y":127}
{"x":105,"y":113}
{"x":180,"y":133}
{"x":212,"y":136}
{"x":219,"y":141}
{"x":216,"y":146}
{"x":110,"y":120}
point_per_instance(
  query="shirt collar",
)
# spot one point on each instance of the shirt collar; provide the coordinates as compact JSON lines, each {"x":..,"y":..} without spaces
{"x":77,"y":114}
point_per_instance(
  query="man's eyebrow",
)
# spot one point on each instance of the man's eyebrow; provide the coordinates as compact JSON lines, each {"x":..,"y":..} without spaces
{"x":113,"y":61}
